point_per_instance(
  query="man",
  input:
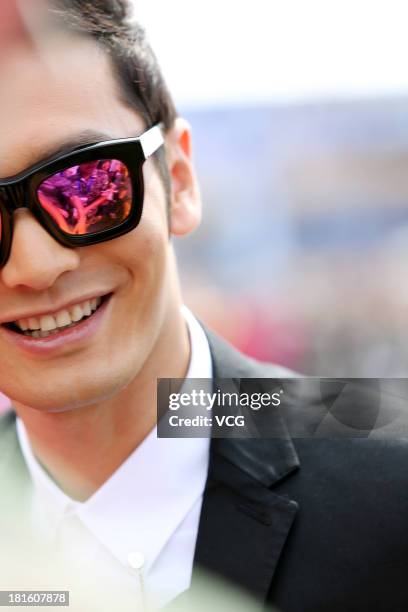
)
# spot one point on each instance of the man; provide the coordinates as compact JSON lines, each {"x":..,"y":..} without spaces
{"x":96,"y":175}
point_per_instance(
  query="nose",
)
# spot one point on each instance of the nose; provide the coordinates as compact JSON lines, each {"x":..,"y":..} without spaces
{"x":36,"y":259}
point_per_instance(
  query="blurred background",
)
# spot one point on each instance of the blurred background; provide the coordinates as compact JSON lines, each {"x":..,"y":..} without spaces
{"x":300,"y":122}
{"x":299,"y":113}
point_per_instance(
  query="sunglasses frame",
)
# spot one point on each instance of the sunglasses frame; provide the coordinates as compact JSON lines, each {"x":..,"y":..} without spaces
{"x":20,"y":191}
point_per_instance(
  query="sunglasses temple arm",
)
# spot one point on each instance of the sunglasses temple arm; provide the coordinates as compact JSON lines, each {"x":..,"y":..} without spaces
{"x":152,"y":140}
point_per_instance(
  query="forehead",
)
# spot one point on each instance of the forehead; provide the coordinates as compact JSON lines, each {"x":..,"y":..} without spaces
{"x":53,"y":91}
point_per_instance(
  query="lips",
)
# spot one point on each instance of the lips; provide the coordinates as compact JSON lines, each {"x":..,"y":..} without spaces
{"x":52,"y":324}
{"x":64,"y":341}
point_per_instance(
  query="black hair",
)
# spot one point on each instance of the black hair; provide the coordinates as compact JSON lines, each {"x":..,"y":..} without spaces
{"x":135,"y":65}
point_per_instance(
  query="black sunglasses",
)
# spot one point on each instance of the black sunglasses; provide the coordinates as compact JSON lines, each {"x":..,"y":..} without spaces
{"x":93,"y":194}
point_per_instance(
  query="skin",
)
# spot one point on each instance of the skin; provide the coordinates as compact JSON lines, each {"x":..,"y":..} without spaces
{"x":86,"y":409}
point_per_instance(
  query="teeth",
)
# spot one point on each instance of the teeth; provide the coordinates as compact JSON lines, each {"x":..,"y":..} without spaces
{"x":76,"y":312}
{"x":62,"y":318}
{"x":43,"y":326}
{"x":33,"y":323}
{"x":48,"y":323}
{"x":86,"y":307}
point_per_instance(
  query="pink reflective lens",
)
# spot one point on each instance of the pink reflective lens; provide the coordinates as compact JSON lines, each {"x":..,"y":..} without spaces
{"x":91,"y":197}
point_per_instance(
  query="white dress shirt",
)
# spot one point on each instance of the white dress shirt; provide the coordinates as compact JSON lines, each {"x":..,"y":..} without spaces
{"x":141,"y":525}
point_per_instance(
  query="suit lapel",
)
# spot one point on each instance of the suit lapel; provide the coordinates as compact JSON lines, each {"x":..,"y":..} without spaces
{"x":15,"y":482}
{"x":13,"y":470}
{"x":244,"y":524}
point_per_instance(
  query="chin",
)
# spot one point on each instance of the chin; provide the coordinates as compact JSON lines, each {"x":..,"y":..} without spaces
{"x":59,"y":398}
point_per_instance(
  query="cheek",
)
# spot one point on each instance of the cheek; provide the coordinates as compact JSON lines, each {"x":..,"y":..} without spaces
{"x":145,"y":247}
{"x":145,"y":260}
{"x":142,"y":255}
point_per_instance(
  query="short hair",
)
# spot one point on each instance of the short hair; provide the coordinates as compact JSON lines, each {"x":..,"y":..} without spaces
{"x":135,"y":65}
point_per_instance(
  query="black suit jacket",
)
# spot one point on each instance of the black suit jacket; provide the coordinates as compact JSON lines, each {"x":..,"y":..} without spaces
{"x":305,"y":525}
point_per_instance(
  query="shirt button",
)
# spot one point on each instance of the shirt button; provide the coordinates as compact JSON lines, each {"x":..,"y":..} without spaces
{"x":136,"y":560}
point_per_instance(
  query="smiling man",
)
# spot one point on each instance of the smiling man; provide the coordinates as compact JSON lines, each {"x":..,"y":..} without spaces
{"x":89,"y":319}
{"x":96,"y":177}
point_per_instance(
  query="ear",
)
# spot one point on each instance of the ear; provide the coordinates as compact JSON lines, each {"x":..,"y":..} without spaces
{"x":185,"y":214}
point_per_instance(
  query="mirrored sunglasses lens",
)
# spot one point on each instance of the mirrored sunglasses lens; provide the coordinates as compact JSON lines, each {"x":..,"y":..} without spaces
{"x":88,"y":198}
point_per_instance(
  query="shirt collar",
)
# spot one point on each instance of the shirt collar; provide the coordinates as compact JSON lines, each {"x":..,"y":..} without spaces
{"x":150,"y":493}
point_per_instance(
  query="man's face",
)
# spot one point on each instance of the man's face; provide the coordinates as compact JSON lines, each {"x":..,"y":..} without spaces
{"x":47,"y":99}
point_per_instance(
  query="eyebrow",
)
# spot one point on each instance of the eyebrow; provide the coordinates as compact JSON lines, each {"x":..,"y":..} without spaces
{"x":47,"y":154}
{"x":81,"y":139}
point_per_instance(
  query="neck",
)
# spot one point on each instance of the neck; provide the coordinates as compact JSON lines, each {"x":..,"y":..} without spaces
{"x":82,"y":448}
